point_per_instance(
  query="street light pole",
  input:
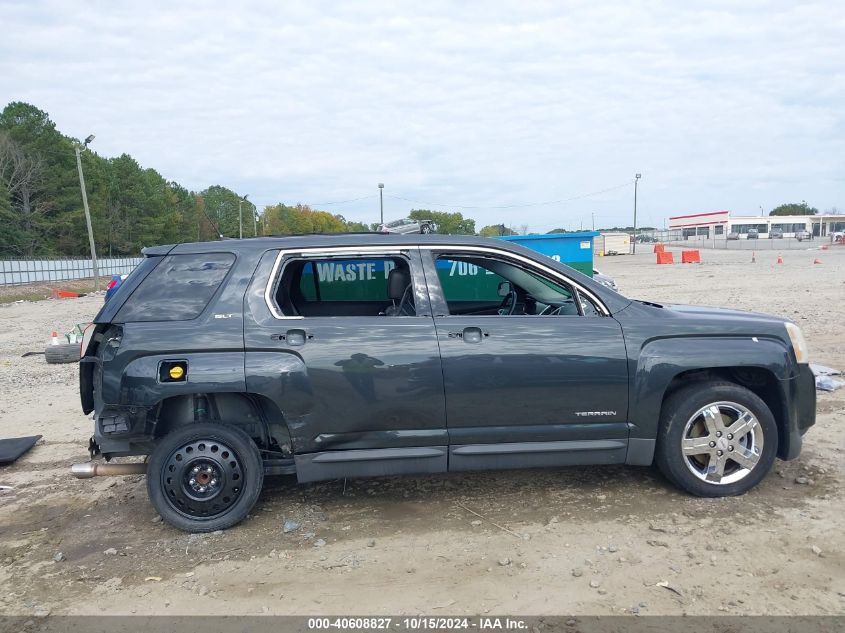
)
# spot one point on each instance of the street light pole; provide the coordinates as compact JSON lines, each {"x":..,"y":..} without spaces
{"x":241,"y":217}
{"x":381,"y":200}
{"x":636,"y":180}
{"x":88,"y":212}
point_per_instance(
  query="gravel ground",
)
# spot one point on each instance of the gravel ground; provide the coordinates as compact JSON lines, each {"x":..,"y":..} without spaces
{"x":609,"y":540}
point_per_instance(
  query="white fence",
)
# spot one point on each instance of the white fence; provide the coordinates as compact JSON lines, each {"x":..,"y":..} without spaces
{"x":14,"y":272}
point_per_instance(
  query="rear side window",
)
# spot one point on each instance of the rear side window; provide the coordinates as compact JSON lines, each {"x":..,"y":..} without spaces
{"x":178,"y":289}
{"x":341,"y":286}
{"x":346,"y":280}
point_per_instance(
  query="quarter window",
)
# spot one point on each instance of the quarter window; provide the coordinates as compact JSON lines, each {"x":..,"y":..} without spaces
{"x":178,"y":289}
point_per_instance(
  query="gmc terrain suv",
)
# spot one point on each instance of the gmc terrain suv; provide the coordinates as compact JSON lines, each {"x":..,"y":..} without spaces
{"x":367,"y":355}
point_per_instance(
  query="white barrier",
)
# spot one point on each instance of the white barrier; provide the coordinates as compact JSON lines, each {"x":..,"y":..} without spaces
{"x":15,"y":272}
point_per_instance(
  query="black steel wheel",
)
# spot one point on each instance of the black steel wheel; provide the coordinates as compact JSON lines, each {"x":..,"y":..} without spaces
{"x":204,"y":477}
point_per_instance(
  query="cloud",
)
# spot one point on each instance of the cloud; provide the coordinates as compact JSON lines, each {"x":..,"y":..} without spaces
{"x":719,"y":105}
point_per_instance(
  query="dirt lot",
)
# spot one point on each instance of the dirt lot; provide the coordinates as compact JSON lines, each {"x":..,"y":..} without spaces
{"x":578,"y":540}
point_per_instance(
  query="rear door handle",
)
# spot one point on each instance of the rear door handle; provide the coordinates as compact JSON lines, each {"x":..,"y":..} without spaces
{"x":470,"y":335}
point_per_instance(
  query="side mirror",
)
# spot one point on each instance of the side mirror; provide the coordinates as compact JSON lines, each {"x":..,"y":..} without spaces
{"x":505,"y":288}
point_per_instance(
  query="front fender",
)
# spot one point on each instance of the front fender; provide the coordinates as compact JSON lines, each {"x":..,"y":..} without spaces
{"x":661,"y":360}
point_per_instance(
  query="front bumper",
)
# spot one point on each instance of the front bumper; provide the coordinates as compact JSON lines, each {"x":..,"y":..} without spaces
{"x":800,"y":411}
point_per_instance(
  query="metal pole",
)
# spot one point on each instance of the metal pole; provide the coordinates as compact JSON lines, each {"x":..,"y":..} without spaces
{"x":88,"y":221}
{"x":240,"y":219}
{"x":254,"y":220}
{"x":634,"y":245}
{"x":381,"y":201}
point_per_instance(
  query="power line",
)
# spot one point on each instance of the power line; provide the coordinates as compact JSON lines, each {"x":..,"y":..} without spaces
{"x":510,"y":206}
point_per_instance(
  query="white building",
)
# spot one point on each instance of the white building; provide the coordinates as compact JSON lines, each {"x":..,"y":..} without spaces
{"x":717,"y":224}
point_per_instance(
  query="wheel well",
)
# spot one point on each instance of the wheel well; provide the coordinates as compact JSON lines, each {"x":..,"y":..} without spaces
{"x":258,"y":416}
{"x":761,"y":382}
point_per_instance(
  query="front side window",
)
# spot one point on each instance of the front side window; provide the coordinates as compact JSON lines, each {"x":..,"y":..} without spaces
{"x":492,"y":286}
{"x":178,"y":289}
{"x":346,"y":286}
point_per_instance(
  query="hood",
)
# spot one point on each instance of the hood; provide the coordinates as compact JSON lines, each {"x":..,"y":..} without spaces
{"x":708,"y":311}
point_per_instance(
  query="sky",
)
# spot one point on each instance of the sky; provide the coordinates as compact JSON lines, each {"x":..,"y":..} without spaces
{"x":533,"y":114}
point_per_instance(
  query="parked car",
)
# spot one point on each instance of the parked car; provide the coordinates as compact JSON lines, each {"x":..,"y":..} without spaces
{"x":753,"y":234}
{"x":407,"y":226}
{"x":733,"y":235}
{"x":114,"y":284}
{"x":604,"y":280}
{"x":803,"y":235}
{"x":775,"y":234}
{"x":358,"y":355}
{"x":646,"y":239}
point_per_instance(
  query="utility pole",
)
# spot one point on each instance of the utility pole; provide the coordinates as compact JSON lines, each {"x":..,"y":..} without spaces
{"x":88,"y":212}
{"x":636,"y":180}
{"x":593,"y":214}
{"x":241,"y":217}
{"x":381,"y":200}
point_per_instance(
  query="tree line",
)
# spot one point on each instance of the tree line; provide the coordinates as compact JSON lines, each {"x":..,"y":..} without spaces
{"x":41,"y":211}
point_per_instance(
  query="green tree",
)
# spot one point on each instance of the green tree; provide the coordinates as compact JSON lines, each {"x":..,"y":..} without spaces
{"x":447,"y":223}
{"x":794,"y":208}
{"x":49,"y":189}
{"x":132,"y":206}
{"x":494,"y":230}
{"x":221,"y":205}
{"x":282,"y":219}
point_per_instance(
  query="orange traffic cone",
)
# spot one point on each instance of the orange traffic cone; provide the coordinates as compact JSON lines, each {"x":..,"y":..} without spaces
{"x":780,"y":259}
{"x":817,"y":261}
{"x":54,"y":338}
{"x":753,"y":257}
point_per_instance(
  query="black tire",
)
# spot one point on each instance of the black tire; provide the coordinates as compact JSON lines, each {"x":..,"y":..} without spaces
{"x":678,"y":411}
{"x":425,"y":228}
{"x":220,"y":451}
{"x":58,"y":354}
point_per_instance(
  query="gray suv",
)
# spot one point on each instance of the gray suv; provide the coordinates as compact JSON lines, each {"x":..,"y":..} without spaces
{"x":366,"y":355}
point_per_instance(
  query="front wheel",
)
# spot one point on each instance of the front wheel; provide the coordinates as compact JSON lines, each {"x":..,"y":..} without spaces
{"x":716,"y":439}
{"x":204,"y":477}
{"x":426,"y":228}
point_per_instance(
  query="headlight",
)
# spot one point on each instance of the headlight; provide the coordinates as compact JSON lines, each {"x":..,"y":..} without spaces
{"x":799,"y":343}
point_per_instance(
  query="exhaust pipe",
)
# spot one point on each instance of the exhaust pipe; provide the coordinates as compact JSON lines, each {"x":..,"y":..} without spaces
{"x":104,"y":469}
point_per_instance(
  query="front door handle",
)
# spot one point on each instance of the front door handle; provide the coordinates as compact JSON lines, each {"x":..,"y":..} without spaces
{"x":470,"y":335}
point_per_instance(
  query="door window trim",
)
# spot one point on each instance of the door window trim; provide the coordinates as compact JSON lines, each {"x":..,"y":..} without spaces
{"x":526,"y":261}
{"x":321,"y":251}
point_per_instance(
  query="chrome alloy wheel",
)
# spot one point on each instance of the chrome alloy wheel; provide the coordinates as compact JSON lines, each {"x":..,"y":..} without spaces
{"x":722,"y":442}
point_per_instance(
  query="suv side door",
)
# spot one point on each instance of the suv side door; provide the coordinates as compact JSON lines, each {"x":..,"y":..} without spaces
{"x":525,"y":390}
{"x":361,"y":392}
